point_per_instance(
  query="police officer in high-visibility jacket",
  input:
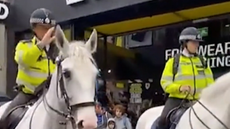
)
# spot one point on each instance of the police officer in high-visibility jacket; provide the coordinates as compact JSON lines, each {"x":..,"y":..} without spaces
{"x":191,"y":77}
{"x":31,"y":57}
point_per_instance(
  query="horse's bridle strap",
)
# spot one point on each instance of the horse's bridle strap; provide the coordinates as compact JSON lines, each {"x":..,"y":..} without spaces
{"x":60,"y":83}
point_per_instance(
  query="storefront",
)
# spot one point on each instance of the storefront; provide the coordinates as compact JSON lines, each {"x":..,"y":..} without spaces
{"x":5,"y":11}
{"x":216,"y":47}
{"x":159,"y":44}
{"x":116,"y":22}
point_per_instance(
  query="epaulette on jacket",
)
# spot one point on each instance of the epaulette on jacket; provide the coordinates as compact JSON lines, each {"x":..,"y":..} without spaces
{"x":26,"y":41}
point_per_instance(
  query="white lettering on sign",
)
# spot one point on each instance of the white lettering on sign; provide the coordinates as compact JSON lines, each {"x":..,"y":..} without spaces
{"x":218,"y":54}
{"x":170,"y":53}
{"x":69,"y":2}
{"x":5,"y":10}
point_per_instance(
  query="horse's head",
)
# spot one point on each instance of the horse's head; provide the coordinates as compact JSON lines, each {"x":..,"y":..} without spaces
{"x":77,"y":70}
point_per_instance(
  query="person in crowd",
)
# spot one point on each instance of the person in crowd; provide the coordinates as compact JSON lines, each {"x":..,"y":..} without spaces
{"x":31,"y":57}
{"x":133,"y":117}
{"x":122,"y":121}
{"x":193,"y":74}
{"x":111,"y":124}
{"x":110,"y":109}
{"x":102,"y":116}
{"x":145,"y":106}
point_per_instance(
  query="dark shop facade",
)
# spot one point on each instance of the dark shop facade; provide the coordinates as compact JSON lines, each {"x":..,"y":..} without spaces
{"x":136,"y":37}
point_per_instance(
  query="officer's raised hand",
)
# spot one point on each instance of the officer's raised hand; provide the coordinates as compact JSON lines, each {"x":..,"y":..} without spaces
{"x":47,"y":38}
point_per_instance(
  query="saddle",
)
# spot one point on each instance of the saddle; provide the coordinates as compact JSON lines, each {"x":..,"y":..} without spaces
{"x":16,"y":114}
{"x":173,"y":117}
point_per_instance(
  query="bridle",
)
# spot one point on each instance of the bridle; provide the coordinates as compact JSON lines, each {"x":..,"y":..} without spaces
{"x":68,"y":115}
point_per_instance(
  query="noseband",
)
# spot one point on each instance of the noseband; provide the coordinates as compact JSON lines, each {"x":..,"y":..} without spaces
{"x":68,"y":115}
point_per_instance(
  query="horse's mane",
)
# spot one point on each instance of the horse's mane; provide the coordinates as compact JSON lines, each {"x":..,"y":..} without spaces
{"x":220,"y":86}
{"x":78,"y":49}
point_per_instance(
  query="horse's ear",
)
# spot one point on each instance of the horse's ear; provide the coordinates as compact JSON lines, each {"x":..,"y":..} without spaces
{"x":91,"y":44}
{"x":61,"y":42}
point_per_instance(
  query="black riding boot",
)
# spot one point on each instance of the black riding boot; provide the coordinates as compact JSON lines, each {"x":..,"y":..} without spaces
{"x":20,"y":99}
{"x":162,"y":123}
{"x":170,"y":104}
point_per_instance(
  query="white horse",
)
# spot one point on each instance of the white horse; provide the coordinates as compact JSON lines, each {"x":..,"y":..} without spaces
{"x":211,"y":112}
{"x":75,"y":77}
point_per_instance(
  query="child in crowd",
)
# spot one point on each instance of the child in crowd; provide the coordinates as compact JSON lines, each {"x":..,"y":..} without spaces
{"x":111,"y":124}
{"x":121,"y":120}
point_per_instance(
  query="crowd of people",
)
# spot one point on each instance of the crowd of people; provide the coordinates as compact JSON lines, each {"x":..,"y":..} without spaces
{"x":112,"y":118}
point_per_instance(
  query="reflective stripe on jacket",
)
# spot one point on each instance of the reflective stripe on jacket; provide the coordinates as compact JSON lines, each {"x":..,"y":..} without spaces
{"x":32,"y":65}
{"x":190,"y":72}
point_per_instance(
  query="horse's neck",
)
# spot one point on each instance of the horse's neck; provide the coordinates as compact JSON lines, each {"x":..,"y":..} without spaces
{"x":52,"y":98}
{"x":217,"y":102}
{"x":219,"y":106}
{"x":217,"y":99}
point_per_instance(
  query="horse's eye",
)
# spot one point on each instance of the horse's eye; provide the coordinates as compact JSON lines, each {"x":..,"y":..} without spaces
{"x":67,"y":74}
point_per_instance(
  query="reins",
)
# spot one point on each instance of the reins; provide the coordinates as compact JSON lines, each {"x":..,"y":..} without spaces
{"x":193,"y":110}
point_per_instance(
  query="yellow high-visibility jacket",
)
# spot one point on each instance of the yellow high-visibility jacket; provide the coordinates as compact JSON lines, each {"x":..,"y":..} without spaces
{"x":32,"y":65}
{"x":190,"y":72}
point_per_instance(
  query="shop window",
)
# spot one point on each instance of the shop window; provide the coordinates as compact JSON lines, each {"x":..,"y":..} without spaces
{"x":225,"y":28}
{"x":139,"y":39}
{"x":67,"y":32}
{"x":110,"y":39}
{"x":119,"y":41}
{"x":159,"y":36}
{"x":87,"y":35}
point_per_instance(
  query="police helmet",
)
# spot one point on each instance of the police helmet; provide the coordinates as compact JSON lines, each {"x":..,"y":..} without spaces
{"x":42,"y":16}
{"x":190,"y":33}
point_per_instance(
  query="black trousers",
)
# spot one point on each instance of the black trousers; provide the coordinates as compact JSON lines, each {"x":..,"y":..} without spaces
{"x":20,"y":99}
{"x":170,"y":104}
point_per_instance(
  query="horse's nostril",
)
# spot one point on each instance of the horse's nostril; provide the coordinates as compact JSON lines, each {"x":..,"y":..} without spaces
{"x":80,"y":124}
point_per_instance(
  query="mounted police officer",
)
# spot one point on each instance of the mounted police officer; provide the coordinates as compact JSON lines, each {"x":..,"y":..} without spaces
{"x":191,"y":77}
{"x":34,"y":66}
